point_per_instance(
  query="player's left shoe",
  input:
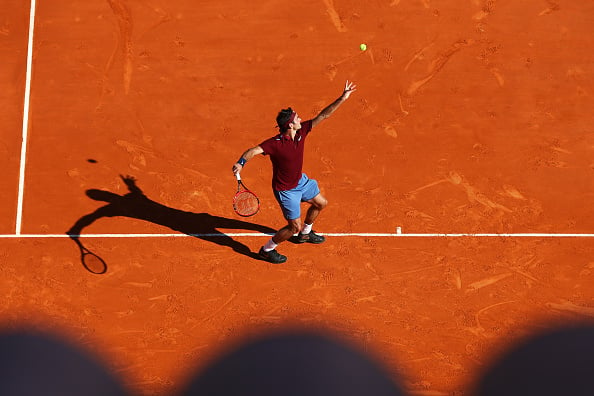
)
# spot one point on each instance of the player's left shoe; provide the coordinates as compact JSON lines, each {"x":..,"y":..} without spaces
{"x":312,"y":237}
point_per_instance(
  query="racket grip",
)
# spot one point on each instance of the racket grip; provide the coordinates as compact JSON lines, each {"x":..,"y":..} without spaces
{"x":238,"y":176}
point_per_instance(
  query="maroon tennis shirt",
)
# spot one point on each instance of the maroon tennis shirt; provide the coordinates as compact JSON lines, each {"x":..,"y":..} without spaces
{"x":286,"y":156}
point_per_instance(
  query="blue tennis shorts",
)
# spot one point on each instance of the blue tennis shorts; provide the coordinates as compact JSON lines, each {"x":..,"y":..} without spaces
{"x":290,"y":200}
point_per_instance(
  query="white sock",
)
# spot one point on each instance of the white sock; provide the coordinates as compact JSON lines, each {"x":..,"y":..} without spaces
{"x":306,"y":228}
{"x":270,"y":245}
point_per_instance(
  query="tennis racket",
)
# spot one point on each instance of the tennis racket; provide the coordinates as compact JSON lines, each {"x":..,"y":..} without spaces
{"x":245,"y":202}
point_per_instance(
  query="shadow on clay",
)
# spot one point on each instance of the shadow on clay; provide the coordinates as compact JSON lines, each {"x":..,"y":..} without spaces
{"x":136,"y":205}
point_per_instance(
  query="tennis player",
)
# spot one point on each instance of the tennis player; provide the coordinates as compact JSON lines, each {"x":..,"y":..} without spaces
{"x":290,"y":185}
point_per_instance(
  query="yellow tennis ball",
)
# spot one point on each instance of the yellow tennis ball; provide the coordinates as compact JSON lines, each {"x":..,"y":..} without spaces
{"x":363,"y":47}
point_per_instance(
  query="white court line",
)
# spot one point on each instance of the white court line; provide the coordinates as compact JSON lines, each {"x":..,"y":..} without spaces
{"x":257,"y":234}
{"x":19,"y":214}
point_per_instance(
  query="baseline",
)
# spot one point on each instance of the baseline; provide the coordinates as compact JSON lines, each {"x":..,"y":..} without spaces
{"x":258,"y":234}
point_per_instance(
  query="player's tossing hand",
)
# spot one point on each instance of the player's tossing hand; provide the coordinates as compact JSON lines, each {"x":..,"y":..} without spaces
{"x":349,"y":88}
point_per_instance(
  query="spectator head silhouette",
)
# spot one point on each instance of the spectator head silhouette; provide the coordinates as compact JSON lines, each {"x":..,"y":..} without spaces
{"x":558,"y":362}
{"x":294,"y":363}
{"x":34,"y":364}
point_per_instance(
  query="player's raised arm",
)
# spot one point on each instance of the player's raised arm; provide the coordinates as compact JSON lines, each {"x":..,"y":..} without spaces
{"x":245,"y":157}
{"x":349,"y":88}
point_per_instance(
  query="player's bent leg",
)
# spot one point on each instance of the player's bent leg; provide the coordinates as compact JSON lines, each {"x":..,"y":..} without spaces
{"x":317,"y":203}
{"x":289,"y":202}
{"x":268,"y":252}
{"x":285,"y":233}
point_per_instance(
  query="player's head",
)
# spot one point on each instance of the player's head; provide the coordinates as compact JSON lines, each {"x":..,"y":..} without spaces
{"x":287,"y":118}
{"x":101,"y":195}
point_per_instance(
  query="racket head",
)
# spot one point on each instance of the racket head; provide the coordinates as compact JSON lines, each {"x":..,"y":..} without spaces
{"x":93,"y":263}
{"x":246,"y":203}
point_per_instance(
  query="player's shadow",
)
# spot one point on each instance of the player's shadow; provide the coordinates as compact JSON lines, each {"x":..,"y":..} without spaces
{"x":136,"y":205}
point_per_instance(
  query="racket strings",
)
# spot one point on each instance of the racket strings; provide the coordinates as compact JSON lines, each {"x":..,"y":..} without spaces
{"x":246,"y":203}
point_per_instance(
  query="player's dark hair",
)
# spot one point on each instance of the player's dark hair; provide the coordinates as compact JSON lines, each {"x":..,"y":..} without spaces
{"x":283,"y":117}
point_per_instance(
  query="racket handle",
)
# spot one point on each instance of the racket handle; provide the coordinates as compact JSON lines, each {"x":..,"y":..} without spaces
{"x":238,"y":176}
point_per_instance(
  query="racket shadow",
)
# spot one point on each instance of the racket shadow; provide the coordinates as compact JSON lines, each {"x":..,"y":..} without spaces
{"x":135,"y":204}
{"x":92,"y":262}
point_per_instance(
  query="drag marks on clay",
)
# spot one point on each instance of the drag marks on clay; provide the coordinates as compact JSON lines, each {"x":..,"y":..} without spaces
{"x":141,"y":285}
{"x":5,"y":30}
{"x":500,"y":80}
{"x":550,"y":155}
{"x":220,"y":309}
{"x":428,"y":221}
{"x":481,"y":16}
{"x":488,"y":8}
{"x":103,"y":75}
{"x":567,"y":306}
{"x":426,"y":3}
{"x":511,"y":191}
{"x":559,"y":149}
{"x":402,"y":110}
{"x":124,"y":41}
{"x":76,"y":175}
{"x":438,"y":64}
{"x":412,"y":194}
{"x":485,"y":56}
{"x":390,"y":131}
{"x":272,"y":316}
{"x":334,"y":16}
{"x":367,"y":108}
{"x":457,"y":278}
{"x":124,"y":17}
{"x":163,"y":15}
{"x":527,"y":262}
{"x":479,"y":329}
{"x":371,"y":269}
{"x":439,"y":263}
{"x":473,"y":195}
{"x":553,"y":6}
{"x":137,"y":153}
{"x":420,"y":54}
{"x":487,"y":281}
{"x":332,"y":69}
{"x":323,"y":303}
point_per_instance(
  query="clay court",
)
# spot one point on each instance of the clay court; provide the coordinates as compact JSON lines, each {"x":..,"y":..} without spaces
{"x":471,"y":129}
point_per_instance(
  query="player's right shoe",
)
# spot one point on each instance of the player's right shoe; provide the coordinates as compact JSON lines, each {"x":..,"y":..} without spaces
{"x":272,"y":256}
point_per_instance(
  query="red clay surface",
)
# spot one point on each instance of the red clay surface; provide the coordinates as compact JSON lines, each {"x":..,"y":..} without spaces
{"x":470,"y":116}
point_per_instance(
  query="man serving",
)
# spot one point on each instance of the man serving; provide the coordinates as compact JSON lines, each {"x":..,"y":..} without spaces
{"x":290,"y":185}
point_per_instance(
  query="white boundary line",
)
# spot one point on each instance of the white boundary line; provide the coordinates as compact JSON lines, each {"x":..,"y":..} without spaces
{"x":257,"y":234}
{"x":19,"y":214}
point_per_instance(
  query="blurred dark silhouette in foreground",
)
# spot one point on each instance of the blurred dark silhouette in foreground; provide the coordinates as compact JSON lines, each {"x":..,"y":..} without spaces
{"x":294,"y":364}
{"x":297,"y":363}
{"x":557,"y":362}
{"x":33,"y":364}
